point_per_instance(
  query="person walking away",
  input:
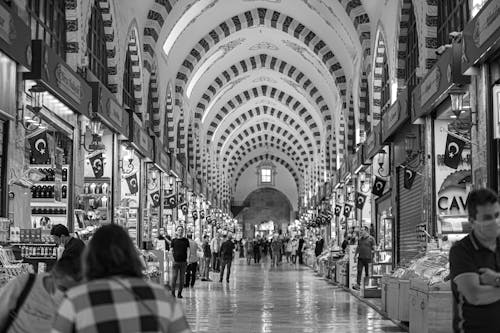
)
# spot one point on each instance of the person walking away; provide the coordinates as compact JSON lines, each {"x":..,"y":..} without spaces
{"x":288,"y":250}
{"x":301,"y":249}
{"x":115,"y":297}
{"x":295,"y":246}
{"x":475,"y":267}
{"x":249,"y":250}
{"x":192,"y":262}
{"x":276,"y":250}
{"x":226,"y":254}
{"x":364,"y":253}
{"x":73,"y":247}
{"x":180,"y":254}
{"x":256,"y":250}
{"x":28,"y":303}
{"x":241,"y":247}
{"x":207,"y":255}
{"x":215,"y":246}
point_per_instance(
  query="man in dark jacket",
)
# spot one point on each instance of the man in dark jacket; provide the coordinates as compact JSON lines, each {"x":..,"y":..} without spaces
{"x":301,"y":249}
{"x":364,"y":253}
{"x":180,"y":253}
{"x":226,"y":256}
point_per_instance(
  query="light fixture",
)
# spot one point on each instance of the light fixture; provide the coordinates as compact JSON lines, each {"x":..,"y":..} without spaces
{"x":364,"y":186}
{"x":32,"y":123}
{"x":381,"y":161}
{"x":130,"y":158}
{"x":457,"y":101}
{"x":37,"y":92}
{"x":413,"y":157}
{"x":153,"y":179}
{"x":94,"y":127}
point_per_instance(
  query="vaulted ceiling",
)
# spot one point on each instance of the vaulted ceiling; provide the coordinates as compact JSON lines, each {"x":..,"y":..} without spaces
{"x":262,"y":80}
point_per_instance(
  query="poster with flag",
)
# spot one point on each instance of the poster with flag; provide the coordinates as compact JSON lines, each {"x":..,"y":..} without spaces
{"x":360,"y":200}
{"x":409,"y":178}
{"x":155,"y":198}
{"x":195,"y":215}
{"x":347,"y":210}
{"x":184,"y":208}
{"x":378,"y":186}
{"x":132,"y":184}
{"x":202,"y":215}
{"x":338,"y":210}
{"x":329,"y":215}
{"x":97,"y":163}
{"x":171,"y":201}
{"x":453,"y":151}
{"x":39,"y":147}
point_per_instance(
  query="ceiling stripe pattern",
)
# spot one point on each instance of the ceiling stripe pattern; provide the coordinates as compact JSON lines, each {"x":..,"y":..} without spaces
{"x":154,"y":104}
{"x":260,"y":17}
{"x":269,"y":62}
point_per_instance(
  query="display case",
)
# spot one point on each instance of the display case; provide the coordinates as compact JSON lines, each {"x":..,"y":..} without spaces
{"x":10,"y":267}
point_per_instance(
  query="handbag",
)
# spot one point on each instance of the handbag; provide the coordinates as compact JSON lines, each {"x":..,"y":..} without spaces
{"x":20,"y":301}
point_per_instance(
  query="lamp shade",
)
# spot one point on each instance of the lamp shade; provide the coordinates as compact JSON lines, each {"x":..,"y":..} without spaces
{"x":410,"y":143}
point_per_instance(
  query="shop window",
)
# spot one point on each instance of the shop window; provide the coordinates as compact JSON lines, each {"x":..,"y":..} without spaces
{"x":96,"y":43}
{"x":128,"y":83}
{"x":411,"y":77}
{"x":4,"y":134}
{"x":48,"y":23}
{"x":452,"y":16}
{"x":386,"y":85}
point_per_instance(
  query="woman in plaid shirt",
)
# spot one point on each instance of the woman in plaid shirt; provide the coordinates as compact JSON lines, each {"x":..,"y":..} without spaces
{"x":115,"y":297}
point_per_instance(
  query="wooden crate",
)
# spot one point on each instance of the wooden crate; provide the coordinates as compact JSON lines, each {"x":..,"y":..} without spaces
{"x":393,"y":298}
{"x":404,"y":300}
{"x":429,"y":311}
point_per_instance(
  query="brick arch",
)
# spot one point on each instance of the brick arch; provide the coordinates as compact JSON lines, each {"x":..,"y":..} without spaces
{"x":285,"y":149}
{"x":264,"y":90}
{"x":154,"y":104}
{"x":263,"y":61}
{"x":275,"y":130}
{"x":157,"y":16}
{"x":190,"y":151}
{"x":378,"y":68}
{"x":296,"y":151}
{"x":168,"y":123}
{"x":133,"y":47}
{"x":361,"y":22}
{"x":271,"y":19}
{"x":351,"y":126}
{"x":263,"y":157}
{"x":76,"y":37}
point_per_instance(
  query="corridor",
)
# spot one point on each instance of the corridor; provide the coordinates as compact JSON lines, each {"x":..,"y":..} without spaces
{"x":284,"y":299}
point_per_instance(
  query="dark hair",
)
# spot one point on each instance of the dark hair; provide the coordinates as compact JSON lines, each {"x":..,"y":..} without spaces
{"x":190,"y":236}
{"x":205,"y":237}
{"x":67,"y":266}
{"x":59,"y":230}
{"x":479,"y":197}
{"x":111,"y":252}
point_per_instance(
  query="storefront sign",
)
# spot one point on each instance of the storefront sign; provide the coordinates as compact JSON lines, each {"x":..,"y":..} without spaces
{"x":109,"y":110}
{"x":140,"y":139}
{"x":15,"y":35}
{"x":373,"y":147}
{"x":53,"y":72}
{"x":481,"y":35}
{"x":445,"y":74}
{"x":177,"y":167}
{"x":162,"y":160}
{"x":395,"y":116}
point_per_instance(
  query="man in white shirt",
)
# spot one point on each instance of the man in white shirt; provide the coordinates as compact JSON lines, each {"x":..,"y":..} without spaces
{"x":215,"y":247}
{"x":192,"y":262}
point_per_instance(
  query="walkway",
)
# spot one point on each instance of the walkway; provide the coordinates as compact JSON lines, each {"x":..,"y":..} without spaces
{"x":284,"y":299}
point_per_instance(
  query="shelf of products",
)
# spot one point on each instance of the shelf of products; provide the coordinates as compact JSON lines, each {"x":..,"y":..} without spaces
{"x":154,"y":260}
{"x":10,"y":267}
{"x":96,"y":201}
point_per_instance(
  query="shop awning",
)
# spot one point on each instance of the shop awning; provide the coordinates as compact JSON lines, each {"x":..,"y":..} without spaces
{"x":51,"y":71}
{"x":15,"y":35}
{"x":481,"y":35}
{"x":395,"y":116}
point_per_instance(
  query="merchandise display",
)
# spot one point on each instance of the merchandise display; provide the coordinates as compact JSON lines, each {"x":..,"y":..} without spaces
{"x":154,"y":260}
{"x":10,"y":267}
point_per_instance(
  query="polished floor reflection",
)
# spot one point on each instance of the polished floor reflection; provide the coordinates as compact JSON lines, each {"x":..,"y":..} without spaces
{"x":283,"y":299}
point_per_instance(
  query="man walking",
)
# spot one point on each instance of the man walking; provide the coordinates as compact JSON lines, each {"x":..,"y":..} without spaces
{"x":180,"y":253}
{"x":226,"y":255}
{"x":207,"y":254}
{"x":215,"y":247}
{"x":475,"y":267}
{"x":192,"y":262}
{"x":256,"y":249}
{"x":364,"y":251}
{"x":300,"y":249}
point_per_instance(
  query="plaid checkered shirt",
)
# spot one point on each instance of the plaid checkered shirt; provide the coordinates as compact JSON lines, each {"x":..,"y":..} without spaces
{"x":119,"y":305}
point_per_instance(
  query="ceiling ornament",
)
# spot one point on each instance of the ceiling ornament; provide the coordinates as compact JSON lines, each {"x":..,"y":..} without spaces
{"x":264,"y":46}
{"x":294,"y":84}
{"x":306,"y":55}
{"x":264,"y":79}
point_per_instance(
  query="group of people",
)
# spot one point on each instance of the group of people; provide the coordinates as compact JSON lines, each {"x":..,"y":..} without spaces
{"x":94,"y":287}
{"x":278,"y":247}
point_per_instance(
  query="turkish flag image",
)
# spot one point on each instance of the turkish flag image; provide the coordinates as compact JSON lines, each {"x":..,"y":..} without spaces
{"x":409,"y":178}
{"x":39,"y":148}
{"x":155,"y":198}
{"x":360,"y":200}
{"x":378,"y":186}
{"x":453,"y":151}
{"x":97,"y":163}
{"x":338,"y":210}
{"x":133,"y":185}
{"x":347,"y":210}
{"x":171,"y":201}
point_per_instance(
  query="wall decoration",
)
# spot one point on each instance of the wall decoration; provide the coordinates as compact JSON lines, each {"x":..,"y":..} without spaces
{"x":263,"y":46}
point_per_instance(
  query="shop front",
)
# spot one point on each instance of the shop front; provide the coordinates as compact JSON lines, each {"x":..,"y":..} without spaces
{"x":480,"y":57}
{"x":181,"y":209}
{"x":132,"y":212}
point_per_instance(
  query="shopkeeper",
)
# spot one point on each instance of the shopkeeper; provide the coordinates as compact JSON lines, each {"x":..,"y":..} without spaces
{"x":73,"y":247}
{"x":475,"y":267}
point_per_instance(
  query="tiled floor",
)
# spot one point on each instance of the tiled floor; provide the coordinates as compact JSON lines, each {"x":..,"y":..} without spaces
{"x":283,"y":299}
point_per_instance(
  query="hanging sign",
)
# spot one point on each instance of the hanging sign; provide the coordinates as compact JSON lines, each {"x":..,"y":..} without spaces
{"x":15,"y":35}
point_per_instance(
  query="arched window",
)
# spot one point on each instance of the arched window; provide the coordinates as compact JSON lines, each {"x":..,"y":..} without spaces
{"x":411,"y":77}
{"x":96,"y":45}
{"x":48,"y":23}
{"x":266,"y":172}
{"x":128,"y":84}
{"x":386,"y":85}
{"x":452,"y":16}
